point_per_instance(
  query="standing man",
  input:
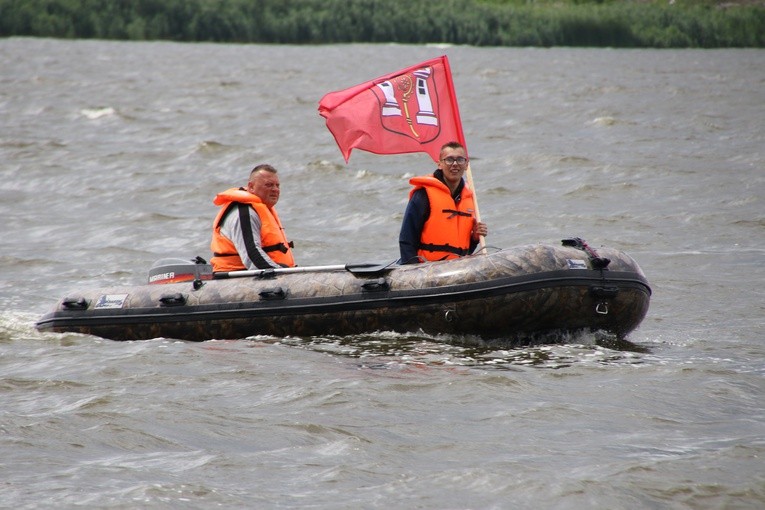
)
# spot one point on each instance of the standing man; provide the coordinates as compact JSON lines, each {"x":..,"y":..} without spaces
{"x":440,"y":221}
{"x":247,"y":233}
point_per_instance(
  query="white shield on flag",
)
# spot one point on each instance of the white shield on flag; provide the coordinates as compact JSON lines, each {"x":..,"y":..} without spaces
{"x":409,"y":105}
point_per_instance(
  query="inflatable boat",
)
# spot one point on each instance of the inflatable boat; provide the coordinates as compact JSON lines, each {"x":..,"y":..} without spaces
{"x":513,"y":294}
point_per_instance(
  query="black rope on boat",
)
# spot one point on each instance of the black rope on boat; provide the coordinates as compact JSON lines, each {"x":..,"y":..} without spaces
{"x":601,"y":292}
{"x":597,"y":261}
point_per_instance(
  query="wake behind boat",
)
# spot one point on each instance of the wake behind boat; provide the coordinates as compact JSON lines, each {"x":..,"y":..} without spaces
{"x":515,"y":295}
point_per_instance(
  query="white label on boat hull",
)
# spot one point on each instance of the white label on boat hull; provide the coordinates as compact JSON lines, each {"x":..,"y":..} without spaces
{"x":111,"y":301}
{"x":576,"y":264}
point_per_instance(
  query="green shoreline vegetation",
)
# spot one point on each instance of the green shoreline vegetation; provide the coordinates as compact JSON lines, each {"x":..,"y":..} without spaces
{"x":609,"y":23}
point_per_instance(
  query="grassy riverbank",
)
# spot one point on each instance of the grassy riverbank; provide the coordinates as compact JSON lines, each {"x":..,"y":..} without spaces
{"x":614,"y":23}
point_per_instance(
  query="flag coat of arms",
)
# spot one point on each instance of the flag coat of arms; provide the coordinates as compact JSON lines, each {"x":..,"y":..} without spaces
{"x":412,"y":110}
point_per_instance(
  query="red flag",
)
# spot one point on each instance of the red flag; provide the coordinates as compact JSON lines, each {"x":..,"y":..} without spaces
{"x":412,"y":110}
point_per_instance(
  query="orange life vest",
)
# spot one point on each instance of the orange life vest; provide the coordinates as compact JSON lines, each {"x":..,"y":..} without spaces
{"x":273,"y":241}
{"x":447,"y":232}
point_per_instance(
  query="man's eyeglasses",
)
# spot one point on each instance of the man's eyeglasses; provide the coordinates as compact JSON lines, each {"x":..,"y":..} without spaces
{"x":459,"y":160}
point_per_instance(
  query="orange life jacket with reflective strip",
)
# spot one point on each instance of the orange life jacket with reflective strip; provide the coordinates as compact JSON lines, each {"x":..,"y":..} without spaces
{"x":447,"y":232}
{"x":273,"y":241}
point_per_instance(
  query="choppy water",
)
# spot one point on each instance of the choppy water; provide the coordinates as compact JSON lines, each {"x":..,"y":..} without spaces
{"x":111,"y":152}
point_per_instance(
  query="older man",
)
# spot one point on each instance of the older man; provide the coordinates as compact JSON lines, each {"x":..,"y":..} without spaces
{"x":247,"y":233}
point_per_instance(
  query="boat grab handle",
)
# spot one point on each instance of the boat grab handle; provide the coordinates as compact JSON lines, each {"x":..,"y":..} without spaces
{"x":272,"y":294}
{"x":175,"y":299}
{"x":375,"y":285}
{"x":74,"y":303}
{"x":604,"y":292}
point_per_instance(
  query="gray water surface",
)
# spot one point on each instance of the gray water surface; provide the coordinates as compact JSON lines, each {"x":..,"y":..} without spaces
{"x":111,"y":153}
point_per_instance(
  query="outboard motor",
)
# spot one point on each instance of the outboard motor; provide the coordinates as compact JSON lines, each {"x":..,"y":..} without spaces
{"x":180,"y":270}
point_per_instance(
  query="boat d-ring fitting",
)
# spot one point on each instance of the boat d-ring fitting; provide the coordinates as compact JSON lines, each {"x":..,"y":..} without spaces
{"x":450,"y":315}
{"x":603,"y":293}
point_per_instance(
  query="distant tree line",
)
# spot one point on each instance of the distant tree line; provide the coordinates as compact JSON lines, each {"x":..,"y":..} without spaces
{"x":626,"y":24}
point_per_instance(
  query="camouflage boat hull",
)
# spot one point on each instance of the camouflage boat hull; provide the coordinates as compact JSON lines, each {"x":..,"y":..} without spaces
{"x":524,"y":292}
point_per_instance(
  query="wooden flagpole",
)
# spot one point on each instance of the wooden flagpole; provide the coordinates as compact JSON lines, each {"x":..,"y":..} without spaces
{"x":469,"y":177}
